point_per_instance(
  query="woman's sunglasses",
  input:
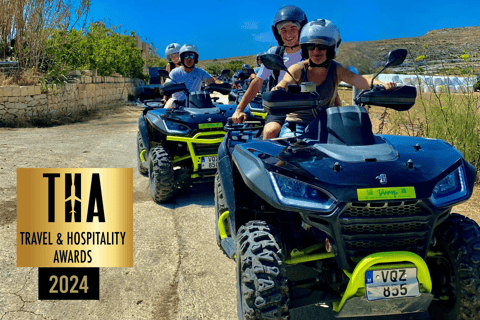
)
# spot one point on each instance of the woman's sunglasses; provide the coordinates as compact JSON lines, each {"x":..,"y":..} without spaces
{"x":189,"y":56}
{"x":312,"y":46}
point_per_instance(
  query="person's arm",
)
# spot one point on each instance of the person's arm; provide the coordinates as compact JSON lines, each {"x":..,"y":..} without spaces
{"x":296,"y":71}
{"x":209,"y":80}
{"x":337,"y":102}
{"x":239,"y":116}
{"x":360,"y":81}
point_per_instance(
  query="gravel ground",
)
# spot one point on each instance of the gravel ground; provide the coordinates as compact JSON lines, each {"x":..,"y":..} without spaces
{"x":178,"y":271}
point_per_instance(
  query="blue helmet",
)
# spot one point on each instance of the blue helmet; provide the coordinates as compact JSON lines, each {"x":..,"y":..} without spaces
{"x":288,"y":13}
{"x":245,"y":66}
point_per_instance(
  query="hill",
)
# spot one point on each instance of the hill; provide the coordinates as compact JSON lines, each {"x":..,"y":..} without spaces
{"x":442,"y":48}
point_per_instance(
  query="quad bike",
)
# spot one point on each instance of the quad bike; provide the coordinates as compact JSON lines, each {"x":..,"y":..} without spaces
{"x":178,"y":147}
{"x":345,"y":219}
{"x":255,"y":106}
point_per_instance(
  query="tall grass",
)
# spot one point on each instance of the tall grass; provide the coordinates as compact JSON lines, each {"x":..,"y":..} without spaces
{"x":441,"y":114}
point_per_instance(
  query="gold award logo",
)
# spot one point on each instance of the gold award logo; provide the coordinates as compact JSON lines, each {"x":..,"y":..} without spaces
{"x":75,"y":217}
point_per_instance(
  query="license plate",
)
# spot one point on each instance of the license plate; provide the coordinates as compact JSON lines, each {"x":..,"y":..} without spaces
{"x":209,"y":162}
{"x":392,"y":283}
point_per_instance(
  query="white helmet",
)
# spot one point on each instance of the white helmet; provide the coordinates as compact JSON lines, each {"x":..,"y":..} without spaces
{"x":171,"y":49}
{"x":321,"y":31}
{"x":189,"y":48}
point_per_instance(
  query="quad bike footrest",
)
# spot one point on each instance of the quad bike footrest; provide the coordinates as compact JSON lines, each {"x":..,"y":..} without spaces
{"x":228,"y":244}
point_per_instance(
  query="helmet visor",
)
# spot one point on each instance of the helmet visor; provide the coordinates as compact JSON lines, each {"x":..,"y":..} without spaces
{"x":327,"y":41}
{"x":189,"y":55}
{"x":312,"y":46}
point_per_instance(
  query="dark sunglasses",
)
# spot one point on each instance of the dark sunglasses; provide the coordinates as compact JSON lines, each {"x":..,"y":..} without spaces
{"x":189,"y":56}
{"x":312,"y":46}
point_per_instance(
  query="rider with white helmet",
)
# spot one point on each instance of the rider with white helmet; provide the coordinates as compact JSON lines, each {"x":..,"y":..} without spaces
{"x":172,"y":54}
{"x":189,"y":74}
{"x":319,"y":41}
{"x":259,"y":62}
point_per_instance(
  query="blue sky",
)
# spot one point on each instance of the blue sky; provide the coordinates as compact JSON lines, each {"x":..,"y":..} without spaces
{"x":228,"y":28}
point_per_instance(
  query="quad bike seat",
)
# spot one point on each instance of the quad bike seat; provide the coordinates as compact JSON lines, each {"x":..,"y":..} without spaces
{"x":200,"y":100}
{"x":349,"y":126}
{"x":345,"y":134}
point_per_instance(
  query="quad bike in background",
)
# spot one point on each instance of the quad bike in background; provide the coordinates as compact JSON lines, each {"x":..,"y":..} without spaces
{"x":255,"y":106}
{"x":346,"y":219}
{"x":178,"y":147}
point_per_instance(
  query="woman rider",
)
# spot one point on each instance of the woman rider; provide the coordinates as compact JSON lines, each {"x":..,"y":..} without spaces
{"x":319,"y":41}
{"x":173,"y":56}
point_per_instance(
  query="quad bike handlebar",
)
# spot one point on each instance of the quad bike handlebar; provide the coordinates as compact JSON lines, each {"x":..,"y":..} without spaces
{"x":255,"y":123}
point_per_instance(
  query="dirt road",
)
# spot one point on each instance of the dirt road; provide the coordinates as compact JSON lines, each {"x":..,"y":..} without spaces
{"x":178,"y":271}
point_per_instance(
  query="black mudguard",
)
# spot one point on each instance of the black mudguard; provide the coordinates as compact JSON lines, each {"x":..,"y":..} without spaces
{"x":225,"y":171}
{"x":142,"y":126}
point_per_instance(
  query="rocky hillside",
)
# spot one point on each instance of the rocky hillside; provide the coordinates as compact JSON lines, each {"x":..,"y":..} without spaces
{"x":442,"y":48}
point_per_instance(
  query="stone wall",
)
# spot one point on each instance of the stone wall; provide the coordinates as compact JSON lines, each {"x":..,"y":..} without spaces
{"x":81,"y":93}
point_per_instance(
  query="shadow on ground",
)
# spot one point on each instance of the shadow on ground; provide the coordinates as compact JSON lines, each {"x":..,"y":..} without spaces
{"x":200,"y":194}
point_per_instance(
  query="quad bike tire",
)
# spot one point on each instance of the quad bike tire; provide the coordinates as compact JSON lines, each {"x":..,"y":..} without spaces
{"x":220,"y":208}
{"x":262,"y":287}
{"x":140,"y":147}
{"x":160,"y":173}
{"x":456,"y":276}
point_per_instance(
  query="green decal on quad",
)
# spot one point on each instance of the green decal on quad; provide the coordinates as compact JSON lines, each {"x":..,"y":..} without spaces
{"x":210,"y":125}
{"x":386,"y":193}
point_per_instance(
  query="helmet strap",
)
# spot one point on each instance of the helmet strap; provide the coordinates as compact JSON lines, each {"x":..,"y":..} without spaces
{"x":297,"y":45}
{"x":321,"y":65}
{"x":185,"y":66}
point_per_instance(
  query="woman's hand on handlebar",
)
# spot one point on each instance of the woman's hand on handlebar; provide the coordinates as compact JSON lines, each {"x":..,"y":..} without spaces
{"x":390,"y":85}
{"x":277,"y":87}
{"x":239,"y":117}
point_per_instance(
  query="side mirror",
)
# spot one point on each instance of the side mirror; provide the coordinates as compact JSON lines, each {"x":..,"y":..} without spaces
{"x":396,"y":57}
{"x":163,"y":73}
{"x":273,"y":62}
{"x":243,"y":76}
{"x":224,"y":72}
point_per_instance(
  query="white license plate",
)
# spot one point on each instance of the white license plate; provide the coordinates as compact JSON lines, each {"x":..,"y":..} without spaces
{"x":392,"y":283}
{"x":209,"y":162}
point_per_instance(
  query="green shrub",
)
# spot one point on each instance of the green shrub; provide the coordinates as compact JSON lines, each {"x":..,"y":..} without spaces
{"x":100,"y":49}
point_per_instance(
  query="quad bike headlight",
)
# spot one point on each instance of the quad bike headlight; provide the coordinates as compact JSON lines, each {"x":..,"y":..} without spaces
{"x":174,"y":127}
{"x":450,"y":189}
{"x":291,"y":192}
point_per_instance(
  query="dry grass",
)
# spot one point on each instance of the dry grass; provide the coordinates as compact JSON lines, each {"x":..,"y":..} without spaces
{"x":389,"y":127}
{"x":21,"y":78}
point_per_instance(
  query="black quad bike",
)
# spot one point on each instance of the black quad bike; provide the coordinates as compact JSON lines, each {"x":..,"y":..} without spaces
{"x":178,"y":147}
{"x":345,"y":219}
{"x":255,"y":106}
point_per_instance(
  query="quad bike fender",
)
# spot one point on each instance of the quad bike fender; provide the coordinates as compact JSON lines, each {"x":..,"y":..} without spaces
{"x":254,"y":175}
{"x":142,"y":127}
{"x":471,"y":174}
{"x":225,"y":172}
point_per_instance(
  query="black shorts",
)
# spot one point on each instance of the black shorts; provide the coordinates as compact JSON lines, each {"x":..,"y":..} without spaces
{"x":278,"y":119}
